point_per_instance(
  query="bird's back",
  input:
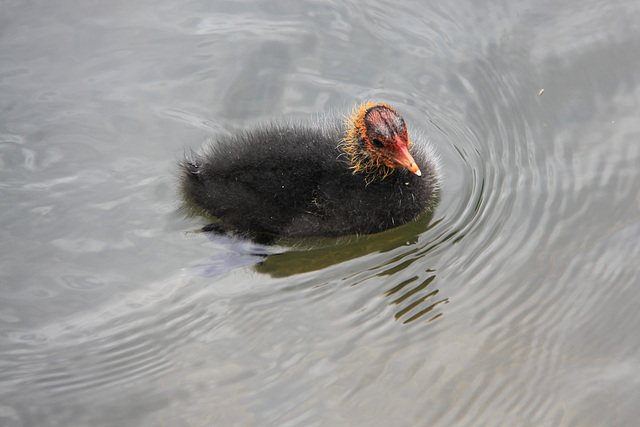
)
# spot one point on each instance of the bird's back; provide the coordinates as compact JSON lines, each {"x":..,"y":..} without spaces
{"x":259,"y":180}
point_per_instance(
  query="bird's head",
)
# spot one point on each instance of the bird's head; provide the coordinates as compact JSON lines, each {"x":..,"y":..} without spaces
{"x":376,"y":141}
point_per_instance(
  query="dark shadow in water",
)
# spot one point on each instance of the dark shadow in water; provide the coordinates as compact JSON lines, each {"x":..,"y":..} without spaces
{"x":315,"y":254}
{"x":414,"y":297}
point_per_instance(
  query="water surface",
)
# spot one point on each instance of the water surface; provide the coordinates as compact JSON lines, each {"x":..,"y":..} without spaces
{"x":513,"y":303}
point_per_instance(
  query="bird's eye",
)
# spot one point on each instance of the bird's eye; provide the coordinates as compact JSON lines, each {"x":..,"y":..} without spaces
{"x":377,"y":143}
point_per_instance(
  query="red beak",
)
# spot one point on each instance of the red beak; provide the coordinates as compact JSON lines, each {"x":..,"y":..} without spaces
{"x":403,"y":158}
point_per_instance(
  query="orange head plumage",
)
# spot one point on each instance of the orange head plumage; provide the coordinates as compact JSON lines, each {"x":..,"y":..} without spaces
{"x":376,"y":141}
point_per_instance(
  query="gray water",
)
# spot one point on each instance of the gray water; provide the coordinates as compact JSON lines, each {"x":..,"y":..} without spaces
{"x":515,"y":303}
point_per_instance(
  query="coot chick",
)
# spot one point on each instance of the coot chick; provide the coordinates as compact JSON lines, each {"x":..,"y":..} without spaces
{"x":327,"y":178}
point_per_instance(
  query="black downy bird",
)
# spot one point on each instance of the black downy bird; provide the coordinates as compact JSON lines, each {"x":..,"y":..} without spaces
{"x":328,"y":178}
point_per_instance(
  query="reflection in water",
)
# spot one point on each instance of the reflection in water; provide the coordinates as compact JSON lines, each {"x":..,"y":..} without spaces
{"x":414,"y":297}
{"x":241,"y":253}
{"x":315,"y":254}
{"x":417,"y":304}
